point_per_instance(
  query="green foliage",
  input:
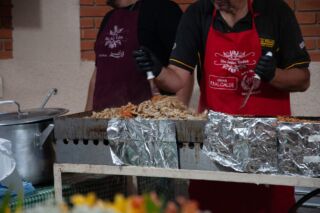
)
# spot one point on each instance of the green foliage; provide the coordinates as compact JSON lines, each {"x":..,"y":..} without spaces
{"x":150,"y":205}
{"x":5,"y":204}
{"x":4,"y":207}
{"x":19,"y":206}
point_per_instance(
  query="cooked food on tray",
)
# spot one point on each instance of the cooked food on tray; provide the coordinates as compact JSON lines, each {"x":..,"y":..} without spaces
{"x":295,"y":120}
{"x":159,"y":107}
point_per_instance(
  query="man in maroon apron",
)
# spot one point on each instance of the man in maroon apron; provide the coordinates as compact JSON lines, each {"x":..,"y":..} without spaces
{"x":238,"y":33}
{"x":116,"y":79}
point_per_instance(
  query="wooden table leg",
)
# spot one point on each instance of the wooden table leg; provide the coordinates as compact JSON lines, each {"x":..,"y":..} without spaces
{"x":132,"y":185}
{"x":57,"y":183}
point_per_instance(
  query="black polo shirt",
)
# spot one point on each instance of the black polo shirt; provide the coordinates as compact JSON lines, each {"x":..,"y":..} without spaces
{"x":275,"y":23}
{"x":157,"y":24}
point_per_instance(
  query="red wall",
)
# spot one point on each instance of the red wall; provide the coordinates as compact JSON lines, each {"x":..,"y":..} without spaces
{"x":92,"y":12}
{"x":308,"y":15}
{"x":307,"y":12}
{"x":5,"y":29}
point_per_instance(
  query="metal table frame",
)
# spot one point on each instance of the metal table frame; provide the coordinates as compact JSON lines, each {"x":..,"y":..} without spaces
{"x":179,"y":174}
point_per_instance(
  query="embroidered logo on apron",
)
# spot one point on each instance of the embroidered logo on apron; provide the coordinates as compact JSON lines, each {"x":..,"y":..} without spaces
{"x":114,"y":39}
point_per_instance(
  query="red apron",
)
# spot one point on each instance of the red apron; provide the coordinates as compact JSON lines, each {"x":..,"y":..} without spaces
{"x":118,"y":79}
{"x":230,"y":59}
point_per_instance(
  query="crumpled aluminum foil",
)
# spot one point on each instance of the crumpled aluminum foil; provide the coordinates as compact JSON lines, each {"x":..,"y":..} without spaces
{"x":243,"y":144}
{"x":142,"y":142}
{"x":299,"y":148}
{"x":7,"y":161}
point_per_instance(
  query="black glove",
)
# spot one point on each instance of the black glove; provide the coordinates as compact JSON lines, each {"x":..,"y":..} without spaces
{"x":266,"y":68}
{"x":147,"y":61}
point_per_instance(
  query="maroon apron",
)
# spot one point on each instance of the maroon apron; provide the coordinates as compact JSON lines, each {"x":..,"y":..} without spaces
{"x":118,"y":79}
{"x":230,"y":59}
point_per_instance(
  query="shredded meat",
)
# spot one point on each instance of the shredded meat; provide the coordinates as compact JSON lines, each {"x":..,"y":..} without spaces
{"x":159,"y":107}
{"x":295,"y":120}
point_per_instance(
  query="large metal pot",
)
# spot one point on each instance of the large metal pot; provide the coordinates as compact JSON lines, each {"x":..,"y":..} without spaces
{"x":31,"y":134}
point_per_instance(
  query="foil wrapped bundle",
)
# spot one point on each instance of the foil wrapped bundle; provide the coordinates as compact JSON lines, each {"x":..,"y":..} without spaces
{"x":142,"y":142}
{"x":299,"y":148}
{"x":243,"y":144}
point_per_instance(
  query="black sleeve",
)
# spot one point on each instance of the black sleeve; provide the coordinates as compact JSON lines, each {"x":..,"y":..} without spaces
{"x":188,"y":39}
{"x":292,"y":50}
{"x":158,"y":22}
{"x":167,"y":20}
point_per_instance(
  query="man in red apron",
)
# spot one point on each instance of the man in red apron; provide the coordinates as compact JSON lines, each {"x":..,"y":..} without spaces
{"x":228,"y":40}
{"x":116,"y":79}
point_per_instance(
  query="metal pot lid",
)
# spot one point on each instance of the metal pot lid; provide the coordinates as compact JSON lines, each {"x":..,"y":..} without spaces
{"x":30,"y":115}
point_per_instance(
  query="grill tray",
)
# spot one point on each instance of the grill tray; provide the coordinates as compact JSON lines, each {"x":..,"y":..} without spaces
{"x":80,"y":139}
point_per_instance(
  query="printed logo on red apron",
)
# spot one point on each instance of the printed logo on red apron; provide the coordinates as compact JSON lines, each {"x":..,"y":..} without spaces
{"x":238,"y":64}
{"x":223,"y":83}
{"x":248,"y":81}
{"x":234,"y":61}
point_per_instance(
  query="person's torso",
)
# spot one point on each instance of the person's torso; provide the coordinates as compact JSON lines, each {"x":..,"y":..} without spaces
{"x":149,"y":34}
{"x":265,"y":21}
{"x":230,"y":60}
{"x":118,"y":80}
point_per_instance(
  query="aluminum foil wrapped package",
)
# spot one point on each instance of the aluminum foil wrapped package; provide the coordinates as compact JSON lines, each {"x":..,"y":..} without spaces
{"x":243,"y":144}
{"x":141,"y":142}
{"x":299,"y":149}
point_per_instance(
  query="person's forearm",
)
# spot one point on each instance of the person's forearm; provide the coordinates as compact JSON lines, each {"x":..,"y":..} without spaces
{"x":173,"y":78}
{"x":293,"y":80}
{"x":168,"y":80}
{"x":185,"y":93}
{"x":89,"y":104}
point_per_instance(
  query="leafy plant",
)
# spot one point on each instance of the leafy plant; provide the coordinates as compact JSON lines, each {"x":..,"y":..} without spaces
{"x":5,"y":208}
{"x":5,"y":205}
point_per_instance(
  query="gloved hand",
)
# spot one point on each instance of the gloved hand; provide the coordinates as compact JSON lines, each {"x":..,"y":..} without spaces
{"x":147,"y":61}
{"x":266,"y":68}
